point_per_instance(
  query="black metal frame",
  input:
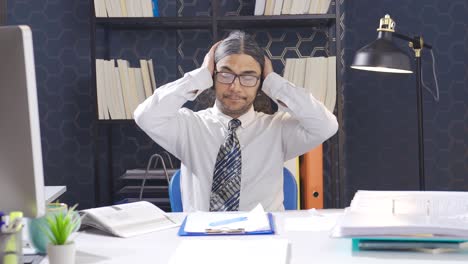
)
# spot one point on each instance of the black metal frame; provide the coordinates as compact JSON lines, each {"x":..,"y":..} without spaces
{"x":216,"y":23}
{"x":417,"y":45}
{"x":3,"y":12}
{"x":338,"y":158}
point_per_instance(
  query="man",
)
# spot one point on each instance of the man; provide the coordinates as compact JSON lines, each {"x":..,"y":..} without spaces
{"x":232,"y":157}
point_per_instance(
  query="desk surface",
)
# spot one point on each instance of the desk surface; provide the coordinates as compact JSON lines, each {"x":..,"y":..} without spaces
{"x":305,"y":246}
{"x":54,"y":192}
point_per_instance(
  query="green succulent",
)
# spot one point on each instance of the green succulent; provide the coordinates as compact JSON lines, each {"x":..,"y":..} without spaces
{"x":60,"y":226}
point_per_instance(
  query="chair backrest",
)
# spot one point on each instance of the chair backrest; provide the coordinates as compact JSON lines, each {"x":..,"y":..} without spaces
{"x":174,"y":193}
{"x":289,"y":190}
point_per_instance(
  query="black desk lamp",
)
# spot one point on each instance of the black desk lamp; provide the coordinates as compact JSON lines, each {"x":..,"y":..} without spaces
{"x":383,"y":55}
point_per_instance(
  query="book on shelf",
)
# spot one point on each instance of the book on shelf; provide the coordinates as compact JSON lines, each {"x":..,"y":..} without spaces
{"x":259,"y":7}
{"x":429,"y":216}
{"x":123,"y":66}
{"x":277,"y":8}
{"x":290,"y":7}
{"x":102,"y":107}
{"x":117,"y":95}
{"x":128,"y":220}
{"x":145,"y":72}
{"x":317,"y":75}
{"x":269,"y":6}
{"x":151,"y":71}
{"x":132,"y":91}
{"x":330,"y":94}
{"x":121,"y":88}
{"x":109,"y":84}
{"x":126,"y":8}
{"x":141,"y":96}
{"x":155,"y":8}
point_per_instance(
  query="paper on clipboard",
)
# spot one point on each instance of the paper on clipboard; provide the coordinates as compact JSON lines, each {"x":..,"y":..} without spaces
{"x":255,"y":220}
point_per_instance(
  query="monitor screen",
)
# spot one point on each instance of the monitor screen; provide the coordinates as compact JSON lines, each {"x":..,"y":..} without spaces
{"x":21,"y":171}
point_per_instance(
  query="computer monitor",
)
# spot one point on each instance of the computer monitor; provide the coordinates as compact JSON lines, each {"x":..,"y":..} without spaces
{"x":21,"y":171}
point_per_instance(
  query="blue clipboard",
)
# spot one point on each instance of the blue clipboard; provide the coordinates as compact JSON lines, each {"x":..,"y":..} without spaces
{"x":269,"y":231}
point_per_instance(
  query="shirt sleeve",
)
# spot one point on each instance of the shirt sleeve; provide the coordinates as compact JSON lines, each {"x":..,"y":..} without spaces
{"x":305,"y":121}
{"x":161,"y":115}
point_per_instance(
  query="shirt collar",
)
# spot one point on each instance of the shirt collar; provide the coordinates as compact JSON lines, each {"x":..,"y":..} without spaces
{"x":245,"y":119}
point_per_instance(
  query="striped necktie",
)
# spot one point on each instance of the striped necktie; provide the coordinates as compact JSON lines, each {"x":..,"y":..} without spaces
{"x":225,"y":190}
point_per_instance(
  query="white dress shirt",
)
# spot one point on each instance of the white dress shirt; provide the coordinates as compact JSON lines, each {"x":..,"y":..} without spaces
{"x":267,"y":141}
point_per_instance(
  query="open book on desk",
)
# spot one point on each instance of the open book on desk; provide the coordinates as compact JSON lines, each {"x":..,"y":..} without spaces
{"x":255,"y":222}
{"x":407,"y":215}
{"x":126,"y":220}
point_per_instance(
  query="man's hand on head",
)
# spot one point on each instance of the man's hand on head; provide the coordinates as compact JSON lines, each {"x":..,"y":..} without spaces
{"x":209,"y":60}
{"x":267,"y":68}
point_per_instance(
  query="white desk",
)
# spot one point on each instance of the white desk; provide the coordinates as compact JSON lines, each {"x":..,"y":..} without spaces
{"x":54,"y":192}
{"x":305,"y":247}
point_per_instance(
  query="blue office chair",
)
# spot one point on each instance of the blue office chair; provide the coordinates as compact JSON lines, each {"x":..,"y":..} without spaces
{"x":289,"y":190}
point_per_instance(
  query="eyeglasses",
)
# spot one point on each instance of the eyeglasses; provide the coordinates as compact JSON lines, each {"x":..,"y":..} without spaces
{"x":228,"y":78}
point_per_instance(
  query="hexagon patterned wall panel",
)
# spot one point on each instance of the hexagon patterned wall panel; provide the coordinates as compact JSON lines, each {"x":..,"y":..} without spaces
{"x":66,"y":102}
{"x":380,"y":116}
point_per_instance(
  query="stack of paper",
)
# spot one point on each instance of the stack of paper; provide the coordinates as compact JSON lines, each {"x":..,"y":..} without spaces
{"x":405,"y":213}
{"x":395,"y":213}
{"x":406,"y":220}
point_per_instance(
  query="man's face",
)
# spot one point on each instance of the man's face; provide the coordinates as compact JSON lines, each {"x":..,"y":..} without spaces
{"x":235,"y":99}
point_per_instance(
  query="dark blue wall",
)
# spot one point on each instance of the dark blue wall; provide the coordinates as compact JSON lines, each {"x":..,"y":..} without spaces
{"x":66,"y":101}
{"x":380,"y":109}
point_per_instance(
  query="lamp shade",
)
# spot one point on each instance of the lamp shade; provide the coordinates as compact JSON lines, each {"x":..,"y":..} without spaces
{"x":382,"y":55}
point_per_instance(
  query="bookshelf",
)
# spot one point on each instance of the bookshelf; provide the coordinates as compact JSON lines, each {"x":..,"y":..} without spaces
{"x":217,"y":23}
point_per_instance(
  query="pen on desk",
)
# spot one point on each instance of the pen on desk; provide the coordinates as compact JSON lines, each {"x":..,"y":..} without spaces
{"x":229,"y":221}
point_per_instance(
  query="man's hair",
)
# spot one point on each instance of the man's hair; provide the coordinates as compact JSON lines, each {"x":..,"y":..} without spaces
{"x":238,"y":42}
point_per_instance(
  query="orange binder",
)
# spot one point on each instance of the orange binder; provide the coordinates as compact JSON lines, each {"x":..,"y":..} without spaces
{"x":311,"y":175}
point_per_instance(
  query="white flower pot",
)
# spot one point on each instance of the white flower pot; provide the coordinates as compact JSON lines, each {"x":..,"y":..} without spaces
{"x":61,"y":254}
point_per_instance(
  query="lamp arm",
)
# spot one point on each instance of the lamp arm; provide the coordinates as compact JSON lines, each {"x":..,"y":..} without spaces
{"x":416,"y":40}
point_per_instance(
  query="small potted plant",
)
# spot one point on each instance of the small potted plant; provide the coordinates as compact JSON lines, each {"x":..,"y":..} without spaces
{"x":58,"y":228}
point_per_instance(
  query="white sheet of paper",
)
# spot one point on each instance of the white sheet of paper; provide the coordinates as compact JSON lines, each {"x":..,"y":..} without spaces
{"x":271,"y":251}
{"x":256,"y":220}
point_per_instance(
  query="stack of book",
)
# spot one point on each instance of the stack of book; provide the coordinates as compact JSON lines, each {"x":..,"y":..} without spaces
{"x":290,"y":7}
{"x":120,"y":89}
{"x":126,"y":8}
{"x":406,"y":220}
{"x":317,"y":75}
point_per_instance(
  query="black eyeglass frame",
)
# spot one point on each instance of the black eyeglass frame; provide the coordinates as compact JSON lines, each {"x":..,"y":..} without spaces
{"x":237,"y":76}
